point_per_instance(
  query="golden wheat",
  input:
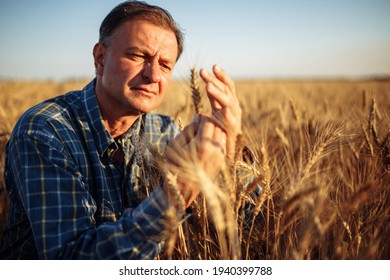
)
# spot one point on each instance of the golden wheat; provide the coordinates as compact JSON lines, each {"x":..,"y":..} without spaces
{"x":319,"y":150}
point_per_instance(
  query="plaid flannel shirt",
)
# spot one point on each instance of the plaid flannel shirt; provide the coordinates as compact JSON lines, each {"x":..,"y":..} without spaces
{"x":69,"y":198}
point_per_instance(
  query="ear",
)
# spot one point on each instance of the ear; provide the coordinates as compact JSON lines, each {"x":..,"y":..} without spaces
{"x":99,"y":53}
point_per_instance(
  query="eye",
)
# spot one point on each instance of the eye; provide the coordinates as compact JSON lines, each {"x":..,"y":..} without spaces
{"x":166,"y":67}
{"x":136,"y":56}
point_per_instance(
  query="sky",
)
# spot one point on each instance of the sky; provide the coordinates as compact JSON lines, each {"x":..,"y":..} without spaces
{"x":47,"y":39}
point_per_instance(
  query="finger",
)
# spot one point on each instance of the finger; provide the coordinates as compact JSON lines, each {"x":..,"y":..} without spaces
{"x":218,"y":99}
{"x":191,"y":195}
{"x":211,"y":135}
{"x":188,"y":133}
{"x":174,"y":150}
{"x":209,"y":78}
{"x":205,"y":138}
{"x":220,"y":79}
{"x":219,"y":134}
{"x":218,"y":93}
{"x":220,"y":89}
{"x":224,"y":78}
{"x":215,"y":105}
{"x":205,"y":129}
{"x":219,"y":137}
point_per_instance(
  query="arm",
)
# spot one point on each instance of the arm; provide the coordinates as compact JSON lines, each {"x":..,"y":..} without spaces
{"x":60,"y":207}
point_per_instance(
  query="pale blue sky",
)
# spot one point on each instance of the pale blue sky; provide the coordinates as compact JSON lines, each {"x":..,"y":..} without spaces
{"x":249,"y":38}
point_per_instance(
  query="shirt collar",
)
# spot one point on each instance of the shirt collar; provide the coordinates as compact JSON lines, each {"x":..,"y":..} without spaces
{"x":102,"y":137}
{"x":94,"y":118}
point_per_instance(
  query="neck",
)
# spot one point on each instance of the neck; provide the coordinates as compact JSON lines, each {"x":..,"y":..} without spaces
{"x":115,"y":120}
{"x":118,"y":126}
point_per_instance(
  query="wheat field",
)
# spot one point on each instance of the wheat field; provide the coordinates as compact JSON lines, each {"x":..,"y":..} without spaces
{"x":319,"y":149}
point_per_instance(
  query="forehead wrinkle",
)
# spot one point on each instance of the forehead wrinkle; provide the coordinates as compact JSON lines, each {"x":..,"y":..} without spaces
{"x":155,"y":44}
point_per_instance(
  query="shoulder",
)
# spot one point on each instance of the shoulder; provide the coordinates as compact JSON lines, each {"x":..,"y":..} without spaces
{"x":46,"y":117}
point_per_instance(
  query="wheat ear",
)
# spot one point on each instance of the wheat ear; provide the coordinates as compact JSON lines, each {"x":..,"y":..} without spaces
{"x":195,"y":90}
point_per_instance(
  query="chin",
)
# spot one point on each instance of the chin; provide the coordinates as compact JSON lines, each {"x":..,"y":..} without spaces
{"x":146,"y":109}
{"x":143,"y":106}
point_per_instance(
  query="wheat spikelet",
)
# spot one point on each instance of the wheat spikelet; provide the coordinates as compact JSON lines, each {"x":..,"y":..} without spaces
{"x":368,"y":141}
{"x":179,"y":123}
{"x":282,"y":137}
{"x":372,"y":123}
{"x":364,"y":100}
{"x":174,"y":191}
{"x":195,"y":90}
{"x":327,"y":136}
{"x":294,"y":111}
{"x":294,"y":201}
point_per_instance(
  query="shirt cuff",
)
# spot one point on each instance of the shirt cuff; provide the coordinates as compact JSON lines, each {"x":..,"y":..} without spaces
{"x":156,"y":216}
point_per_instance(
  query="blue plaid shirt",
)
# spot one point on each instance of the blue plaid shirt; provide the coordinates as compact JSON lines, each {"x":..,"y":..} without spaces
{"x":69,"y":198}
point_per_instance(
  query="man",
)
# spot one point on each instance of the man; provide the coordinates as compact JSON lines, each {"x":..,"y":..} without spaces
{"x":79,"y":168}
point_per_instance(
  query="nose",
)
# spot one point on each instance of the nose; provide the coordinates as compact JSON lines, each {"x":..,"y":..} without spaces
{"x":152,"y":71}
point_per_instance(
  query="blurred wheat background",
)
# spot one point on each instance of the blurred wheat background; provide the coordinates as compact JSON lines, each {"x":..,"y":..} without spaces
{"x":320,"y":150}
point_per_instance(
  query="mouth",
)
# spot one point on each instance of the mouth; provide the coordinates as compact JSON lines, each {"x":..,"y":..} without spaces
{"x":145,"y":91}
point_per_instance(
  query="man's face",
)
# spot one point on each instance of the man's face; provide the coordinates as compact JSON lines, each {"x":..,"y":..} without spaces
{"x":136,"y":67}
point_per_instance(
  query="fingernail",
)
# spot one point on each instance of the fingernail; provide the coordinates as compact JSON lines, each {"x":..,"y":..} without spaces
{"x":217,"y":68}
